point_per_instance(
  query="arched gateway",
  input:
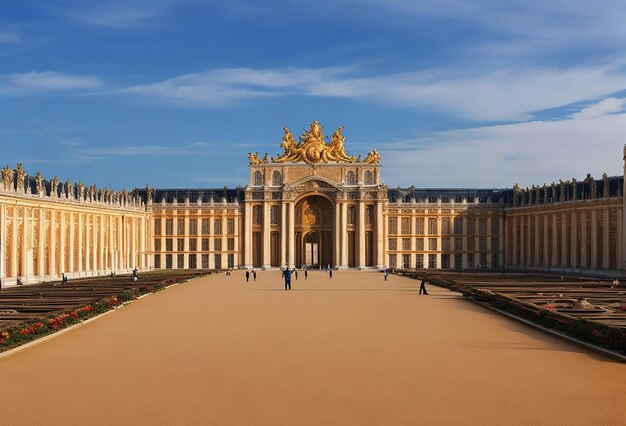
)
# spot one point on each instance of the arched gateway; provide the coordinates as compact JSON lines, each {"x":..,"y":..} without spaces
{"x":314,"y":205}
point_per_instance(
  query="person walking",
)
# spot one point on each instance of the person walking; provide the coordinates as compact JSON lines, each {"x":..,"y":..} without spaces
{"x":254,"y":274}
{"x":247,"y":275}
{"x":306,"y":273}
{"x":386,"y":273}
{"x":287,"y":278}
{"x":330,"y":273}
{"x":423,"y":286}
{"x":296,"y":274}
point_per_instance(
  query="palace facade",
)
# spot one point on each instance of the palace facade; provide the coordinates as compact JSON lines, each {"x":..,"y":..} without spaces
{"x":313,"y":204}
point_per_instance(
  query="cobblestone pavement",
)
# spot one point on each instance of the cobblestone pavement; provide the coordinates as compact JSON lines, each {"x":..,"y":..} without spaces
{"x":353,"y":349}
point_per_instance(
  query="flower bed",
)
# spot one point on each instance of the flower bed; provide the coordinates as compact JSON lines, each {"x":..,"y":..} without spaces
{"x":26,"y":332}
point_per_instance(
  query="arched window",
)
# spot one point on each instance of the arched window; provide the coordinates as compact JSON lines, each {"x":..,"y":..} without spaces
{"x":258,"y":178}
{"x":351,"y":178}
{"x":277,"y":179}
{"x":369,"y":178}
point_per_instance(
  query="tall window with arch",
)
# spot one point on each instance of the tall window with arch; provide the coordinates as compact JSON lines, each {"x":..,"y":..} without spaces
{"x":258,"y":178}
{"x":351,"y":178}
{"x":277,"y":179}
{"x":368,"y":178}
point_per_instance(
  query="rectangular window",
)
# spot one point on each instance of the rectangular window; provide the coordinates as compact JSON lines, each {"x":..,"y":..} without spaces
{"x":458,"y":244}
{"x":193,"y":244}
{"x":483,"y":260}
{"x":218,"y":261}
{"x":230,"y":226}
{"x":432,"y":261}
{"x":157,"y":226}
{"x":419,"y":261}
{"x":351,"y":215}
{"x":482,"y":226}
{"x":205,"y":226}
{"x":205,"y":261}
{"x":168,"y":261}
{"x":458,"y":261}
{"x":192,"y":261}
{"x":274,"y":215}
{"x":470,"y":226}
{"x":230,"y":244}
{"x":432,"y":226}
{"x":432,"y":244}
{"x":205,"y":244}
{"x":445,"y":244}
{"x":369,"y":215}
{"x":193,"y":226}
{"x":406,"y":261}
{"x":482,"y":244}
{"x":157,"y":261}
{"x":169,"y":246}
{"x":495,"y":260}
{"x":180,"y":227}
{"x":445,"y":261}
{"x":231,"y":260}
{"x":217,"y":244}
{"x":406,"y":225}
{"x":406,"y":244}
{"x":419,"y":244}
{"x":495,"y":244}
{"x":445,"y":226}
{"x":257,"y":215}
{"x":419,"y":225}
{"x":471,"y":244}
{"x":180,"y":261}
{"x":217,"y":226}
{"x":392,"y":223}
{"x":393,"y":260}
{"x":169,"y":226}
{"x":157,"y":244}
{"x":495,"y":226}
{"x":180,"y":244}
{"x":393,"y":244}
{"x":470,"y":260}
{"x":458,"y":225}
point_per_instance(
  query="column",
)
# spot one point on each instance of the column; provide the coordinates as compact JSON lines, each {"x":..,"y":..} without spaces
{"x":337,"y":233}
{"x":573,"y":240}
{"x":564,"y":247}
{"x":555,"y":254}
{"x":266,"y":234}
{"x":583,"y":239}
{"x":81,"y":249}
{"x":185,"y":234}
{"x":40,"y":245}
{"x":3,"y":240}
{"x":438,"y":254}
{"x":605,"y":239}
{"x":283,"y":234}
{"x":501,"y":240}
{"x":529,"y":241}
{"x":618,"y":240}
{"x":247,"y":235}
{"x":537,"y":260}
{"x":594,"y":239}
{"x":361,"y":228}
{"x":290,"y":235}
{"x":211,"y":237}
{"x":224,"y":239}
{"x":344,"y":235}
{"x":62,"y":244}
{"x":546,"y":242}
{"x":52,"y":247}
{"x":380,"y":236}
{"x":237,"y":236}
{"x":464,"y":242}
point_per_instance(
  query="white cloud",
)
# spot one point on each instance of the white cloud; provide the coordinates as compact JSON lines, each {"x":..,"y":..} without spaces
{"x":32,"y":83}
{"x":496,"y":156}
{"x":507,"y":94}
{"x":10,"y":38}
{"x":606,"y":106}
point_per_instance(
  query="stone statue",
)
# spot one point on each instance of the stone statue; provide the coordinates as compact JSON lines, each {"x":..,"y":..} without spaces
{"x":7,"y":179}
{"x":605,"y":180}
{"x":69,"y":189}
{"x":562,"y":186}
{"x":39,"y":184}
{"x":81,"y":192}
{"x":54,"y":187}
{"x":574,"y":189}
{"x":20,"y":174}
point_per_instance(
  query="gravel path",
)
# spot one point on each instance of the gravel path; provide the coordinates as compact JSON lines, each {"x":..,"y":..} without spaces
{"x":351,"y":350}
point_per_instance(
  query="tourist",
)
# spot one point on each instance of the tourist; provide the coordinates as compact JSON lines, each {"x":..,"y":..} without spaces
{"x":306,"y":273}
{"x":386,"y":274}
{"x":254,"y":275}
{"x":330,"y":273}
{"x":296,"y":274}
{"x":287,"y":278}
{"x":247,"y":275}
{"x":423,"y":287}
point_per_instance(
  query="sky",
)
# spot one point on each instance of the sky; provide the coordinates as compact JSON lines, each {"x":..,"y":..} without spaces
{"x":174,"y":93}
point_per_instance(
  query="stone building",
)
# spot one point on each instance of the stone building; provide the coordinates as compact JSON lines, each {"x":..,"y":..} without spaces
{"x":313,"y":204}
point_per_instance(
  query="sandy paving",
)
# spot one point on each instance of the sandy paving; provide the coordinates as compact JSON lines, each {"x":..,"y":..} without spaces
{"x":351,"y":350}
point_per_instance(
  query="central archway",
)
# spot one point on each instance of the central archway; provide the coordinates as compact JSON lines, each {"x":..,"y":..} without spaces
{"x":314,"y":231}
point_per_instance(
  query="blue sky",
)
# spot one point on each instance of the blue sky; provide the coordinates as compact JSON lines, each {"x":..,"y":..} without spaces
{"x":174,"y":93}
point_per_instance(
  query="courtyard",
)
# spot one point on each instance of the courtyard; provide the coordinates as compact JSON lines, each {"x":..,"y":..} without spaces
{"x":353,"y":349}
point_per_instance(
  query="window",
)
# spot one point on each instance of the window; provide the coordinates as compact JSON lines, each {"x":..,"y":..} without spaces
{"x":495,"y":226}
{"x":351,"y":215}
{"x":180,"y":244}
{"x":205,"y":244}
{"x":482,"y":243}
{"x":406,"y":225}
{"x":180,"y":261}
{"x":495,"y":260}
{"x":168,"y":261}
{"x":482,"y":226}
{"x":277,"y":179}
{"x":393,"y":260}
{"x":470,"y":226}
{"x":419,"y":261}
{"x":217,"y":244}
{"x":406,"y":244}
{"x":419,"y":226}
{"x":445,"y":261}
{"x":432,"y":261}
{"x":168,"y":244}
{"x":368,"y":178}
{"x":157,"y":226}
{"x":230,"y":244}
{"x":192,"y":261}
{"x":230,"y":226}
{"x":169,"y":226}
{"x":217,"y":226}
{"x":419,"y":244}
{"x":205,"y":261}
{"x":458,"y":261}
{"x":445,"y":226}
{"x":458,"y":225}
{"x":193,"y":244}
{"x":351,"y":178}
{"x":471,"y":244}
{"x":470,"y":260}
{"x":258,"y":179}
{"x":231,"y":260}
{"x":157,"y":244}
{"x":392,"y":224}
{"x":218,"y":261}
{"x":205,"y":226}
{"x":432,"y":244}
{"x":495,"y":244}
{"x":157,"y":261}
{"x":393,"y":244}
{"x":193,"y":226}
{"x":445,"y":244}
{"x":458,"y":244}
{"x":483,"y":260}
{"x":274,"y":215}
{"x":406,"y":261}
{"x":432,"y":226}
{"x":369,"y":215}
{"x":180,"y":227}
{"x":257,"y":215}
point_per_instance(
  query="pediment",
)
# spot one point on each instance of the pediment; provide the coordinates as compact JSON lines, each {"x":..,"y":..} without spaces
{"x":313,"y":183}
